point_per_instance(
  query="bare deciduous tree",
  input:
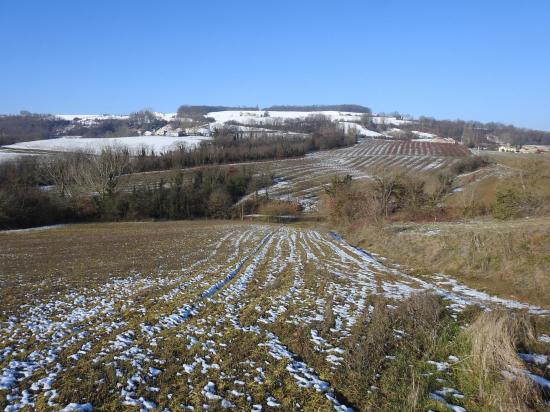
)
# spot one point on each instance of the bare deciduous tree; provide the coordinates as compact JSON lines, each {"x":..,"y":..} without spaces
{"x":58,"y":170}
{"x":99,"y":173}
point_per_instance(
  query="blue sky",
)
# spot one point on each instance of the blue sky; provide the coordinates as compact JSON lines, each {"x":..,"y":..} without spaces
{"x":482,"y":60}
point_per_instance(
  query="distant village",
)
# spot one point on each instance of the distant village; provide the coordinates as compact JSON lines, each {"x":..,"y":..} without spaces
{"x":523,"y":149}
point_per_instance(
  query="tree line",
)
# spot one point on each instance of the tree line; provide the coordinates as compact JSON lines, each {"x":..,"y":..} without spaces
{"x":27,"y":126}
{"x":227,"y":147}
{"x":355,"y":108}
{"x":473,"y":133}
{"x":83,"y":187}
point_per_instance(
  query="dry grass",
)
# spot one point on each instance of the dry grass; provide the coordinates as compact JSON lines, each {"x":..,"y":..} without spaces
{"x":507,"y":258}
{"x":519,"y":160}
{"x":426,"y":328}
{"x":528,"y":173}
{"x":491,"y":370}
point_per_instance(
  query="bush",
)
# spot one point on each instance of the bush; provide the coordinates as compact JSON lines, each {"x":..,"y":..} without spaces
{"x":219,"y":203}
{"x":387,"y":195}
{"x":469,"y":164}
{"x":27,"y":206}
{"x":280,"y":208}
{"x":513,"y":203}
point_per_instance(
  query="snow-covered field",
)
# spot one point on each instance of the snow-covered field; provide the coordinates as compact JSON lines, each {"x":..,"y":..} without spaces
{"x":210,"y":335}
{"x":159,"y":144}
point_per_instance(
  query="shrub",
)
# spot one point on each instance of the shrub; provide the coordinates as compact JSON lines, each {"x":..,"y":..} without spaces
{"x":280,"y":208}
{"x":512,"y":203}
{"x":219,"y":203}
{"x":27,"y":206}
{"x":469,"y":164}
{"x":386,"y":195}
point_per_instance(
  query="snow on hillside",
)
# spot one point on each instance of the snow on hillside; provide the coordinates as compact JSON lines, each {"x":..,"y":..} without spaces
{"x":72,"y":117}
{"x":248,"y":116}
{"x":165,"y":116}
{"x":99,"y":117}
{"x":258,"y":116}
{"x":67,"y":144}
{"x":389,"y":120}
{"x":424,"y":134}
{"x":213,"y":127}
{"x":359,"y":129}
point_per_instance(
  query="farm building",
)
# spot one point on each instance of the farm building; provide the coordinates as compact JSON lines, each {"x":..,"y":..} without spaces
{"x":508,"y":148}
{"x":524,"y":149}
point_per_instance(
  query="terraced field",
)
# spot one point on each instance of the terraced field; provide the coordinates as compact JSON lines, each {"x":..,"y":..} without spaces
{"x":225,"y":316}
{"x":303,"y":179}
